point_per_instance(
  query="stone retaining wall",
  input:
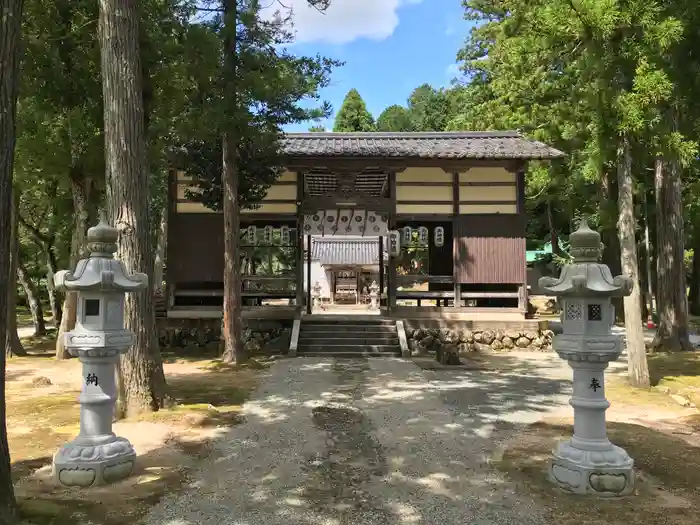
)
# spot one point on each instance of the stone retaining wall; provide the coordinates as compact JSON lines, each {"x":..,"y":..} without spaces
{"x":206,"y":333}
{"x":425,"y":340}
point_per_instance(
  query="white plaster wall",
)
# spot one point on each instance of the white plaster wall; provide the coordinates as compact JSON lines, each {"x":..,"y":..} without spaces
{"x":318,"y":273}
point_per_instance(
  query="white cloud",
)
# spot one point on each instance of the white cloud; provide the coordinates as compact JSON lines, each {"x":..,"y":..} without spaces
{"x":344,"y":21}
{"x":453,"y":70}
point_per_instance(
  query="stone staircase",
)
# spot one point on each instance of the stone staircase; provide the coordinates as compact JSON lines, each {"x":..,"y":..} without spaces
{"x":348,"y":337}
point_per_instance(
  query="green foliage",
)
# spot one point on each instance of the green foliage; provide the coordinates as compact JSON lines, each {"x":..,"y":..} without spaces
{"x":353,"y":114}
{"x":270,"y":84}
{"x":395,"y":118}
{"x":429,"y":108}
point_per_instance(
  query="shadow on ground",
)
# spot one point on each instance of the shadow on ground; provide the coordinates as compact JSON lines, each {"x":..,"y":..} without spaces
{"x":377,"y":441}
{"x":668,"y":476}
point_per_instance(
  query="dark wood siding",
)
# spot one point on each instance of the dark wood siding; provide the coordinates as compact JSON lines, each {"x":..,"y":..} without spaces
{"x":489,"y":249}
{"x":195,"y":248}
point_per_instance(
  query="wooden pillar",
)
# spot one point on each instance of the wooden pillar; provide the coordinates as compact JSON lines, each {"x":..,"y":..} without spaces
{"x":391,"y":284}
{"x":308,"y":275}
{"x":381,"y":268}
{"x":520,"y":207}
{"x":300,"y":244}
{"x":457,"y":300}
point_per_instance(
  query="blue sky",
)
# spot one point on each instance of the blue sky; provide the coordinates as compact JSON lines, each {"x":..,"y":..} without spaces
{"x":389,"y":47}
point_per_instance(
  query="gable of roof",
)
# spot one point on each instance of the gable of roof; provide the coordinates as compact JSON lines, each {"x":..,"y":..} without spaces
{"x":331,"y":251}
{"x":501,"y":145}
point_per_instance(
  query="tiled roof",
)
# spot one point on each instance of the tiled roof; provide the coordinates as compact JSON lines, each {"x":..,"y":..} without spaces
{"x":345,"y":251}
{"x":427,"y":145}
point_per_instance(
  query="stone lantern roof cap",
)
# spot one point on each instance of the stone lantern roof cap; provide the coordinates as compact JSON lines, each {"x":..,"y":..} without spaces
{"x":100,"y":270}
{"x":585,"y":276}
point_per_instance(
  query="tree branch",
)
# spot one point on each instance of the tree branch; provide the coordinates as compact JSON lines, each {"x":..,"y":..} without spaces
{"x":34,"y":231}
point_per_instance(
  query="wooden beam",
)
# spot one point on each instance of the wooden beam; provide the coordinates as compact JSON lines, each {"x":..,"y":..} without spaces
{"x":422,"y":217}
{"x":314,"y":204}
{"x":381,"y":267}
{"x":308,"y":275}
{"x":489,"y":202}
{"x":392,"y":284}
{"x":300,"y":244}
{"x":520,"y":188}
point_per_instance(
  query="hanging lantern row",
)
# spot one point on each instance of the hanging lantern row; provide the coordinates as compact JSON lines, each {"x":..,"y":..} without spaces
{"x":423,"y":236}
{"x":405,"y":236}
{"x":268,"y":235}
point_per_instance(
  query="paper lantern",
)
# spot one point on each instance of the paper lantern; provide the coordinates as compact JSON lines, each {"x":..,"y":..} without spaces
{"x":439,"y":236}
{"x":407,"y":235}
{"x":284,"y":235}
{"x":252,"y":235}
{"x":267,"y":234}
{"x":394,"y":243}
{"x":423,"y":235}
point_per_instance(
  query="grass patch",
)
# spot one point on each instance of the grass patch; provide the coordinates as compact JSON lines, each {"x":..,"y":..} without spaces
{"x":677,"y":373}
{"x":41,"y":345}
{"x":41,"y":419}
{"x":667,"y":489}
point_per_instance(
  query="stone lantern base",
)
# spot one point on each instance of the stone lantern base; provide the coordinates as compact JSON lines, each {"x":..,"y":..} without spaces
{"x":598,"y":472}
{"x":87,"y":462}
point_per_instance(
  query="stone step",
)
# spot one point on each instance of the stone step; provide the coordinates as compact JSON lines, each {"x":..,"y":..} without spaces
{"x":348,"y":339}
{"x":320,"y":353}
{"x":344,"y":321}
{"x":336,"y":348}
{"x":324,"y":329}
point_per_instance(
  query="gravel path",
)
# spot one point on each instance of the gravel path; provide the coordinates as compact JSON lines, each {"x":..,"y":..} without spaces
{"x":368,"y":441}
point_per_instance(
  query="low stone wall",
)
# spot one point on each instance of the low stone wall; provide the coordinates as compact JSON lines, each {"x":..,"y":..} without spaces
{"x":425,"y":340}
{"x":206,"y":333}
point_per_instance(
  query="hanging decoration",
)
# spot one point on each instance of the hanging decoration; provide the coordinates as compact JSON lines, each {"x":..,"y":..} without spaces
{"x":439,"y":236}
{"x":355,"y":221}
{"x":407,"y":235}
{"x":423,"y":235}
{"x":252,"y":235}
{"x":268,"y":234}
{"x":394,"y":243}
{"x":284,"y":235}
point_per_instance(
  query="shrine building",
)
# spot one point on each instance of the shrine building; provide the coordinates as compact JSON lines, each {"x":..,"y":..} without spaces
{"x":442,"y":215}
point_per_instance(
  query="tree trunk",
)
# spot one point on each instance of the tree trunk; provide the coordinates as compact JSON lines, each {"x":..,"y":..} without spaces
{"x":81,"y":188}
{"x":233,"y":347}
{"x":553,"y":235}
{"x":608,"y":196}
{"x":13,"y":345}
{"x":671,"y":300}
{"x":141,"y":379}
{"x":160,"y":251}
{"x":638,"y":369}
{"x":234,"y":351}
{"x":46,"y":243}
{"x":53,"y":294}
{"x":694,"y":297}
{"x":10,"y":26}
{"x":32,"y":293}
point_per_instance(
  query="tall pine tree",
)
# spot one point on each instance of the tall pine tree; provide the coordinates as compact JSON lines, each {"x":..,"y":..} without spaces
{"x":353,"y":114}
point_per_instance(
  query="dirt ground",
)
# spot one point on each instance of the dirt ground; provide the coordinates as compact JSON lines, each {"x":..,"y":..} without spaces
{"x":659,"y":433}
{"x":43,"y":414}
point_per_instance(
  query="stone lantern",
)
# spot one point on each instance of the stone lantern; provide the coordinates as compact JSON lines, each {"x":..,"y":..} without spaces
{"x":588,"y":463}
{"x":374,"y":296}
{"x":316,"y":294}
{"x":97,"y":456}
